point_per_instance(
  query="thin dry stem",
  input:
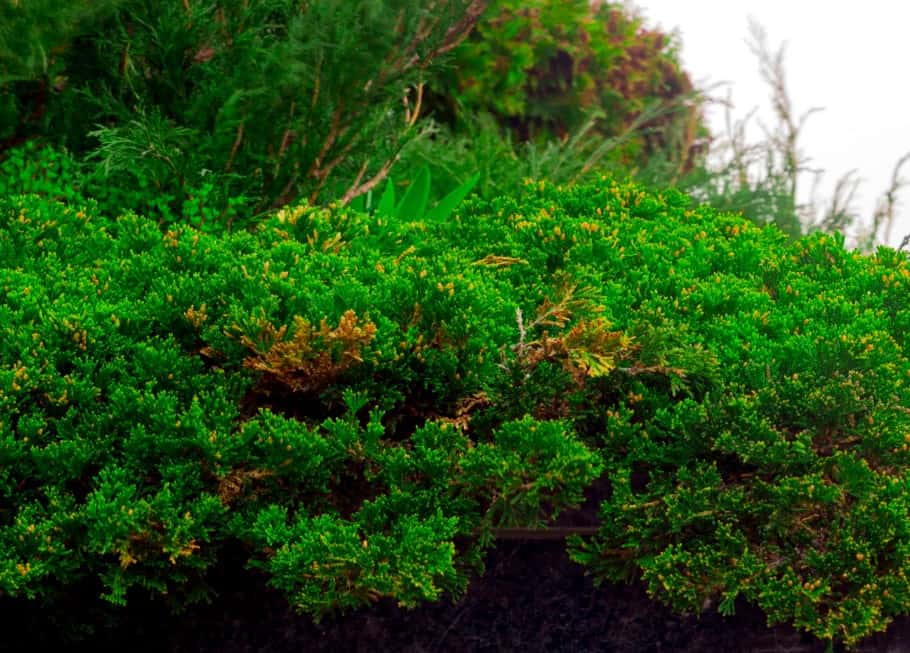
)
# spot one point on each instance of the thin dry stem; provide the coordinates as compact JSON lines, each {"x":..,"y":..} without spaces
{"x":234,"y":148}
{"x":885,"y":211}
{"x":410,"y":117}
{"x":369,"y":185}
{"x":785,"y":137}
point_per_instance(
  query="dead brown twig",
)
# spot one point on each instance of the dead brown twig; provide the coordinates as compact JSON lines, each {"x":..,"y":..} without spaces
{"x":411,"y":115}
{"x":237,"y":141}
{"x":368,"y":185}
{"x":885,"y":211}
{"x":785,"y":138}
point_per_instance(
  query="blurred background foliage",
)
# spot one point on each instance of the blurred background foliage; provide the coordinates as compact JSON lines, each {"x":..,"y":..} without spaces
{"x":542,"y":67}
{"x":200,"y":102}
{"x":218,"y":112}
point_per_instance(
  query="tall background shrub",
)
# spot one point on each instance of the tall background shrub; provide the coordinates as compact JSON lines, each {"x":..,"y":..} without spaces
{"x":266,"y":101}
{"x":558,"y":90}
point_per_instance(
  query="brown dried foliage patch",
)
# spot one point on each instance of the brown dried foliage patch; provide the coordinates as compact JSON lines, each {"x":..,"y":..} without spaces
{"x":312,"y":359}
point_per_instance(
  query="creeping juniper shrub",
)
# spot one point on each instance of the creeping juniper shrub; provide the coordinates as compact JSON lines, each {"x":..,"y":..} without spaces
{"x":360,"y":402}
{"x":140,"y":372}
{"x":55,"y":174}
{"x":34,"y":170}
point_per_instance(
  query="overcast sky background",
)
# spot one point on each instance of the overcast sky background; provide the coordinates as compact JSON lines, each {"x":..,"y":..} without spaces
{"x":852,"y":59}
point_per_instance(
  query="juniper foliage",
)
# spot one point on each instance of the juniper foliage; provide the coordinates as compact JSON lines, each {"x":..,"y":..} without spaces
{"x":359,"y":402}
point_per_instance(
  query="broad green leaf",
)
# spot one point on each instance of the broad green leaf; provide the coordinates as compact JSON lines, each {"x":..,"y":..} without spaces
{"x":414,"y":203}
{"x":450,"y":202}
{"x":359,"y":203}
{"x":387,"y":202}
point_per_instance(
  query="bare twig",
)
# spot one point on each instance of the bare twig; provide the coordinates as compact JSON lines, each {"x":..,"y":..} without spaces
{"x":785,"y":138}
{"x":460,"y":30}
{"x":316,"y":86}
{"x":410,"y":117}
{"x":284,"y":197}
{"x":327,"y":144}
{"x":234,"y":148}
{"x":885,"y":211}
{"x":422,"y":46}
{"x":368,"y":185}
{"x":360,"y":173}
{"x":456,"y":33}
{"x":839,"y":214}
{"x":522,"y":333}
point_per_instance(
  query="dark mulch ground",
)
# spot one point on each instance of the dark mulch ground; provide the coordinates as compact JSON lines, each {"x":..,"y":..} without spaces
{"x":532,"y":598}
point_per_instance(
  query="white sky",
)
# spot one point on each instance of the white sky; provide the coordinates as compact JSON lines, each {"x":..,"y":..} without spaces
{"x":852,"y":59}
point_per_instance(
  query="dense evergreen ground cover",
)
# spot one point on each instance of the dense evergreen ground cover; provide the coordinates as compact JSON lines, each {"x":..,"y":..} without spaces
{"x":359,"y":402}
{"x":250,"y":328}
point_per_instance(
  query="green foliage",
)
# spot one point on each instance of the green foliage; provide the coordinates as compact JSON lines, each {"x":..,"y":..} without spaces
{"x":765,"y":198}
{"x":326,"y":562}
{"x":32,"y":34}
{"x":261,"y":103}
{"x":360,"y":401}
{"x":151,"y":411}
{"x":55,"y":175}
{"x":561,"y":91}
{"x":502,"y":164}
{"x":416,"y":200}
{"x":543,"y":67}
{"x":720,"y":315}
{"x":358,"y":396}
{"x":30,"y":170}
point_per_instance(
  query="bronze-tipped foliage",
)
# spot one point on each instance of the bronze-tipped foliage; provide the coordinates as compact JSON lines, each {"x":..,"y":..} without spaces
{"x":312,"y":359}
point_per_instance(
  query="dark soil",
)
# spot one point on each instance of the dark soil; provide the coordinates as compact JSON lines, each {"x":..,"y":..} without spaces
{"x":532,"y":598}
